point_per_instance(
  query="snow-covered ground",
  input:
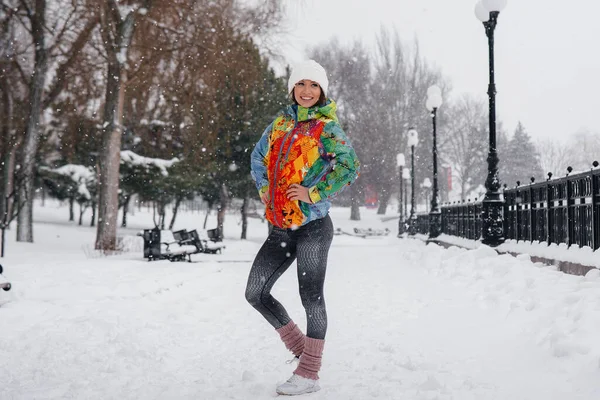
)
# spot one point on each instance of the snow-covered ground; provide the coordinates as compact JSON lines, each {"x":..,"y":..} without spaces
{"x":406,"y":321}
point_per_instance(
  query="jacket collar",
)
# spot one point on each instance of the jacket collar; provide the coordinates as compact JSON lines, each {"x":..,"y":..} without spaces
{"x":300,"y":113}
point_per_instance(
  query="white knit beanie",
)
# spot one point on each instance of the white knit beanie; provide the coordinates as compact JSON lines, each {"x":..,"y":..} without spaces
{"x":309,"y":69}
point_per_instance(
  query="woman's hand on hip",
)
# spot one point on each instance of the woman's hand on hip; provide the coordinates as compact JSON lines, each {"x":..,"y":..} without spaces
{"x":298,"y":192}
{"x":265,"y":198}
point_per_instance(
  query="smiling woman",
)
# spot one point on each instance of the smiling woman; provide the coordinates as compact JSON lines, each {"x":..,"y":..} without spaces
{"x":302,"y":160}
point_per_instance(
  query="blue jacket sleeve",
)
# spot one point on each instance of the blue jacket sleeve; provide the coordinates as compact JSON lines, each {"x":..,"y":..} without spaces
{"x":258,"y":162}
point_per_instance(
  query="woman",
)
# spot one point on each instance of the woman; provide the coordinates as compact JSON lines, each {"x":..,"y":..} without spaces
{"x":302,"y":160}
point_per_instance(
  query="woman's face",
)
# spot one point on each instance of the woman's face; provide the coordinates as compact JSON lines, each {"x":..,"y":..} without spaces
{"x":307,"y":92}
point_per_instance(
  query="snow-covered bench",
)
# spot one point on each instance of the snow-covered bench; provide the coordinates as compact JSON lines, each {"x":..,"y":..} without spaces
{"x":161,"y":245}
{"x":177,"y":246}
{"x":204,"y":242}
{"x":175,"y":250}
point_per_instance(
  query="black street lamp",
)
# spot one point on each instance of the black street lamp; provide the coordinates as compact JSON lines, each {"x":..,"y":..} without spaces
{"x":492,"y":231}
{"x":405,"y":178}
{"x":434,"y":101}
{"x":413,"y":140}
{"x":400,"y":163}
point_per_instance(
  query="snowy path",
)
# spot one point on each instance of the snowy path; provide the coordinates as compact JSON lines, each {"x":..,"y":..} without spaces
{"x":406,"y":321}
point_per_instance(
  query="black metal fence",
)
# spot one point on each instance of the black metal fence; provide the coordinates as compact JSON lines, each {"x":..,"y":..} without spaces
{"x":463,"y":220}
{"x":422,"y":224}
{"x":565,"y":210}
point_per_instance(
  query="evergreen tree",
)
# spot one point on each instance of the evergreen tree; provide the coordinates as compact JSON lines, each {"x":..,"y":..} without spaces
{"x":522,"y":159}
{"x":250,"y":95}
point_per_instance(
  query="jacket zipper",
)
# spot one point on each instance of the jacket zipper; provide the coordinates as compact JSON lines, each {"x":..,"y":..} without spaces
{"x":277,"y":169}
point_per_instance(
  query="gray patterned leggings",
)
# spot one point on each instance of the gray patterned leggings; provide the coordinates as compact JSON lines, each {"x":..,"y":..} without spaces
{"x":310,"y":245}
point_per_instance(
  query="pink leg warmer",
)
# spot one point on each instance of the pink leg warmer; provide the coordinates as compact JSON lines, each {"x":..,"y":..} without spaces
{"x":310,"y":361}
{"x":292,"y":337}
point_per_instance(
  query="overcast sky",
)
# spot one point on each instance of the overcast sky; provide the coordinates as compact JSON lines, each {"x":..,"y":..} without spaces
{"x":547,"y":51}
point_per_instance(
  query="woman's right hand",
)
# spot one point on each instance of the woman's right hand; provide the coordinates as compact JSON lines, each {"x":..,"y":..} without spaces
{"x":265,"y":198}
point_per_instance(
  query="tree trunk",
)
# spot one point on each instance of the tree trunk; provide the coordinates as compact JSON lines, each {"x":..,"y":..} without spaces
{"x":2,"y":240}
{"x":355,"y":197}
{"x":125,"y":210}
{"x":162,"y":211}
{"x":175,"y":209}
{"x":71,"y":209}
{"x":156,"y":223}
{"x":7,"y":158}
{"x":117,"y":34}
{"x":8,"y":164}
{"x":245,"y":217}
{"x":131,"y":211}
{"x":3,"y":225}
{"x":81,"y":212}
{"x":208,"y":208}
{"x":108,"y":181}
{"x":32,"y":133}
{"x":93,"y":221}
{"x":463,"y":189}
{"x":223,"y":204}
{"x":383,"y":202}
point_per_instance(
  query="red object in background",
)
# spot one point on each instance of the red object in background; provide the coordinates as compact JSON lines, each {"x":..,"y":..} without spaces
{"x":370,"y":197}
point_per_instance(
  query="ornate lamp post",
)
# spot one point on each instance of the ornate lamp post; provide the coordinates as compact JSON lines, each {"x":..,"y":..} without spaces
{"x":400,"y":163}
{"x":434,"y":101}
{"x":406,"y":178}
{"x":492,"y":234}
{"x":413,"y":140}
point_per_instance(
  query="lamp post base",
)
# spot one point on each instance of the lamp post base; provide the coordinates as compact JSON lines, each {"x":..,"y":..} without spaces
{"x":492,"y":219}
{"x":401,"y":227}
{"x":412,"y":226}
{"x":435,"y":224}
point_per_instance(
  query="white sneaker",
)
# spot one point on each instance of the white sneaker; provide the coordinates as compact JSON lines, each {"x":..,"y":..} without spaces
{"x":298,"y":385}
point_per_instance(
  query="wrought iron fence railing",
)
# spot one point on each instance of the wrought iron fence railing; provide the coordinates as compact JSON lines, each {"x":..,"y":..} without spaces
{"x":462,"y":219}
{"x":565,"y":210}
{"x":422,"y":224}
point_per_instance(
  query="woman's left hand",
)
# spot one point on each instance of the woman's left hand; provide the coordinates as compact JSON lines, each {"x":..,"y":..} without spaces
{"x":298,"y":192}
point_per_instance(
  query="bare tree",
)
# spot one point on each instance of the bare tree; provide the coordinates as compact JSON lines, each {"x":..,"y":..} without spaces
{"x":554,"y":156}
{"x":464,"y":142}
{"x":36,"y":14}
{"x":381,"y":95}
{"x":56,"y":41}
{"x":11,"y":92}
{"x":350,"y":70}
{"x":401,"y":80}
{"x":8,"y":214}
{"x":585,"y":148}
{"x":118,"y":26}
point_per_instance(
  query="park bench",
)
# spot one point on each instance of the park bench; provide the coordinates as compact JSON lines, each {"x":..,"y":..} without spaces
{"x":178,"y":245}
{"x":210,"y":243}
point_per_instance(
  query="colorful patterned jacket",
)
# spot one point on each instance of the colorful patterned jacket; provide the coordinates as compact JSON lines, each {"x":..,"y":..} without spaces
{"x":305,"y":146}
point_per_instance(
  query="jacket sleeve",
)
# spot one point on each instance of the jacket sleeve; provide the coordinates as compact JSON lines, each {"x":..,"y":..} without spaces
{"x":258,"y":162}
{"x":346,"y":166}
